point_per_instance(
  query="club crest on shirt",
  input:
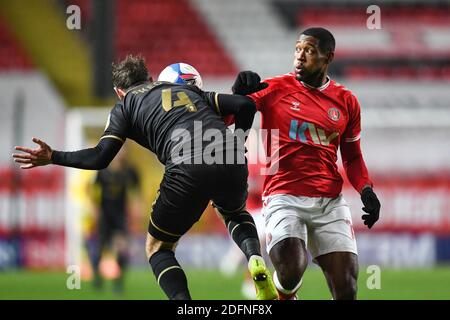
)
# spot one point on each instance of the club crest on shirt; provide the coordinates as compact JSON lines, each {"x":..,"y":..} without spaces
{"x":295,"y":105}
{"x":334,"y":114}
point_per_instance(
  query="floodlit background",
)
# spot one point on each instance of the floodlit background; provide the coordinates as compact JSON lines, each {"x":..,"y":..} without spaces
{"x":55,"y":84}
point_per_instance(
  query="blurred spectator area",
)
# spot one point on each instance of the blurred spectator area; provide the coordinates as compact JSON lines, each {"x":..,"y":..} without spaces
{"x":165,"y":32}
{"x":413,"y":42}
{"x":12,"y":55}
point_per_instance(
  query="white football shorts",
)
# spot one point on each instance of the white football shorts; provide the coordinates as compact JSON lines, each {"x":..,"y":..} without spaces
{"x":324,"y":224}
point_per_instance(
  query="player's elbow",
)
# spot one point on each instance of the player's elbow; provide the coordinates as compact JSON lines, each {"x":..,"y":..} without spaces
{"x":101,"y":166}
{"x":105,"y":152}
{"x":100,"y":162}
{"x":350,"y":153}
{"x":103,"y":162}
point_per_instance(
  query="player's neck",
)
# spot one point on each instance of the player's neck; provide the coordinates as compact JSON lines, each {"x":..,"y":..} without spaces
{"x":318,"y":81}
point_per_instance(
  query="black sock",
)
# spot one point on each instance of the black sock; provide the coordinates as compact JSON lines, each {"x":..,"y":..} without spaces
{"x":242,"y":229}
{"x":122,"y":261}
{"x":96,"y":257}
{"x":171,"y":278}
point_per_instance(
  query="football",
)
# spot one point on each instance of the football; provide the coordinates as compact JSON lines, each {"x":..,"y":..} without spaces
{"x":181,"y":73}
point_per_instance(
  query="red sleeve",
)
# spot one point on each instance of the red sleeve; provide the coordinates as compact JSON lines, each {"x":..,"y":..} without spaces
{"x":352,"y":158}
{"x":353,"y":130}
{"x":354,"y":165}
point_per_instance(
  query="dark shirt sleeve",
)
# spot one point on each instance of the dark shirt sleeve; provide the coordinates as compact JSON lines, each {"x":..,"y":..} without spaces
{"x":99,"y":157}
{"x":212,"y":99}
{"x":96,"y":158}
{"x":117,"y":125}
{"x":242,"y":107}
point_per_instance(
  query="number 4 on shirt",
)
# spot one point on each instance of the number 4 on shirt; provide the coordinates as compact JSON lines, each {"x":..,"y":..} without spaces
{"x":183,"y":100}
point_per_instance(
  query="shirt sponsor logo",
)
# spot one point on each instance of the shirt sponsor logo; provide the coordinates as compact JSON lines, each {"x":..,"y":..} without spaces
{"x":297,"y":131}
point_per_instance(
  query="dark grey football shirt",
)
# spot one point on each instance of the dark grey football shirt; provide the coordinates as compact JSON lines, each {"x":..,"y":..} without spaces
{"x":179,"y":123}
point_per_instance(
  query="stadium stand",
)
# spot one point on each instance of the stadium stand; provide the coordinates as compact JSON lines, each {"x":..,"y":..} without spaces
{"x":265,"y":44}
{"x":164,"y":32}
{"x":167,"y":31}
{"x":413,"y":42}
{"x":12,"y":55}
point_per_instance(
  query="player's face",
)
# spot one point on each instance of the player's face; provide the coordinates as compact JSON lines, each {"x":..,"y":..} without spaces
{"x":309,"y":62}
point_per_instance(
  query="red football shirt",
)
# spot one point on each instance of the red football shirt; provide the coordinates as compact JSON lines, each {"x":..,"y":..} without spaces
{"x":312,"y":123}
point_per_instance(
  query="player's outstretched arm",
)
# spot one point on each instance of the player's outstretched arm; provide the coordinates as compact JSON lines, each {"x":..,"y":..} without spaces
{"x":243,"y":109}
{"x":96,"y":158}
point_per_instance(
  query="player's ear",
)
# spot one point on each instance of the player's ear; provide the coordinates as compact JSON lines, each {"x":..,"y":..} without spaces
{"x":119,"y":92}
{"x":330,"y":57}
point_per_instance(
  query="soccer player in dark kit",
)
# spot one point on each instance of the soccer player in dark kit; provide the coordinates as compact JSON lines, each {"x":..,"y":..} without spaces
{"x":114,"y":184}
{"x":169,"y":120}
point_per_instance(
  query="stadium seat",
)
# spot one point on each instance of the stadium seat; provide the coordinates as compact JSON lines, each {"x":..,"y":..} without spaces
{"x":168,"y":31}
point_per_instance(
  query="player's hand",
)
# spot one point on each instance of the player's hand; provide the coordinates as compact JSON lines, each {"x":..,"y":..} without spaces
{"x":33,"y":157}
{"x":248,"y":82}
{"x":371,"y":206}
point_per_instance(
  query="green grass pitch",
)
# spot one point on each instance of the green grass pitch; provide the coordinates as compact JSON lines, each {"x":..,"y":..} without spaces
{"x":211,"y":285}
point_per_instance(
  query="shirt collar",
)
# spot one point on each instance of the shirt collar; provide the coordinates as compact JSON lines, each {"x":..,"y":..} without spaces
{"x":322,"y":87}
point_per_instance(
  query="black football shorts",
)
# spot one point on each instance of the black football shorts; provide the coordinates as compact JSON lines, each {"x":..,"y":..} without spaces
{"x":185,"y":192}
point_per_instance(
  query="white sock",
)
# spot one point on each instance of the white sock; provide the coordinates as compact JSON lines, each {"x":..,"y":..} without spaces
{"x":283,"y":290}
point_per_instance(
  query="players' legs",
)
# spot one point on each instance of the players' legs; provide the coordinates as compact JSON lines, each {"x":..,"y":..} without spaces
{"x":247,"y":288}
{"x":120,"y":248}
{"x":96,"y":258}
{"x":103,"y":237}
{"x":242,"y":229}
{"x":290,"y":259}
{"x":168,"y":272}
{"x":286,"y":234}
{"x":180,"y":204}
{"x":341,"y":271}
{"x":333,"y":245}
{"x":229,"y":201}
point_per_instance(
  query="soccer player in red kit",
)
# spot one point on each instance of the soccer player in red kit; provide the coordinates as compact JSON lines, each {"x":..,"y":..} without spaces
{"x":302,"y":201}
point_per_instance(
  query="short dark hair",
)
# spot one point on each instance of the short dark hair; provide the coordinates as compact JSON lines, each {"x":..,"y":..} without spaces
{"x":326,"y":40}
{"x":129,"y":72}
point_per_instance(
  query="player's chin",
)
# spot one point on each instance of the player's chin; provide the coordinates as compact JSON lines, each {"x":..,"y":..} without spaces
{"x":299,"y":76}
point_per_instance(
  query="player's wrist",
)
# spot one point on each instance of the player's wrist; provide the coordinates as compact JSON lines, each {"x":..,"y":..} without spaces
{"x":366,"y":188}
{"x":54,"y":157}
